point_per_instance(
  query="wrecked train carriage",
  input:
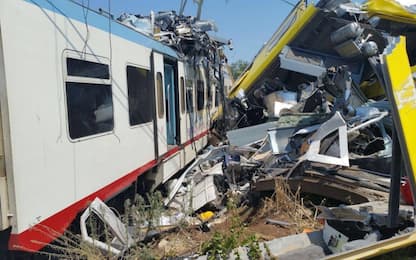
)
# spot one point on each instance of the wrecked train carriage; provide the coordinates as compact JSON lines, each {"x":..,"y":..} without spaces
{"x":355,"y":64}
{"x":319,"y":94}
{"x":107,"y":105}
{"x":314,"y":47}
{"x":327,"y":58}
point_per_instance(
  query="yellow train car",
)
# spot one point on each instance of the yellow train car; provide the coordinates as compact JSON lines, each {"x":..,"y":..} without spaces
{"x":369,"y":48}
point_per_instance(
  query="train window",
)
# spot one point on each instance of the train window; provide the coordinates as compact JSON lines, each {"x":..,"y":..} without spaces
{"x":189,"y":97}
{"x":209,"y":93}
{"x":182,"y":87}
{"x":140,"y":95}
{"x":217,"y":97}
{"x":88,"y":69}
{"x":90,"y":109}
{"x":160,"y":101}
{"x":200,"y":95}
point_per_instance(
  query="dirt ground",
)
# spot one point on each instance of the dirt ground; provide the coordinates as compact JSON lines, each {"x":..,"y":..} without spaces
{"x":188,"y":240}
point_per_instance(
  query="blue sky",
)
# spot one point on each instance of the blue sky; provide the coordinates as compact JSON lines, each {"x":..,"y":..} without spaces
{"x":249,"y":23}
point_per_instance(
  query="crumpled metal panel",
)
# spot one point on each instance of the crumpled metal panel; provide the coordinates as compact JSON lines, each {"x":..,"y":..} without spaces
{"x":336,"y":123}
{"x":123,"y":239}
{"x":390,"y":10}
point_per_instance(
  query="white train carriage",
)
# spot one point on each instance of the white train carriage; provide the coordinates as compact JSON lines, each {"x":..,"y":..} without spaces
{"x":87,"y":105}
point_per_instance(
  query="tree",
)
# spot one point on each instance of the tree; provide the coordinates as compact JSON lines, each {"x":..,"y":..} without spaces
{"x":238,"y":67}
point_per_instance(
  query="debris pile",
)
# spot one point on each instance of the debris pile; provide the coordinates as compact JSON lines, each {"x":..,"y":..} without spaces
{"x":188,"y":35}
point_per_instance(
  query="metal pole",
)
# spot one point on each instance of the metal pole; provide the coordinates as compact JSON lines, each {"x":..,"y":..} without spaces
{"x":200,"y":3}
{"x":395,"y":175}
{"x":182,"y":8}
{"x":223,"y":97}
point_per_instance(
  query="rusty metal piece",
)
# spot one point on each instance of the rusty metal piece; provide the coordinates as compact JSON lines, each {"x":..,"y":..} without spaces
{"x":346,"y":190}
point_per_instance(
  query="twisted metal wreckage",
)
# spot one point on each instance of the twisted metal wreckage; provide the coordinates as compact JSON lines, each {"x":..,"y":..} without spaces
{"x":328,"y":105}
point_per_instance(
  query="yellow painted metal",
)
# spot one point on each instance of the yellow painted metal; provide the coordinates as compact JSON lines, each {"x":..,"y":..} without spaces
{"x":379,"y":248}
{"x":400,"y":84}
{"x":240,"y":79}
{"x":218,"y":113}
{"x":390,"y":10}
{"x":272,"y":49}
{"x":403,"y":89}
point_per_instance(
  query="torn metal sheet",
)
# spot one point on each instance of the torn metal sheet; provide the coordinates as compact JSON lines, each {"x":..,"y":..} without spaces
{"x":187,"y":34}
{"x":302,"y":119}
{"x":122,"y":239}
{"x":341,"y":214}
{"x":140,"y":24}
{"x":214,"y":153}
{"x":333,"y":238}
{"x":248,"y":135}
{"x":279,"y":136}
{"x":336,"y":123}
{"x":300,"y":61}
{"x":278,"y":101}
{"x":350,"y":227}
{"x":345,"y":186}
{"x":307,"y":130}
{"x":367,"y":240}
{"x":204,"y":192}
{"x":279,"y":139}
{"x":368,"y":122}
{"x":196,"y":196}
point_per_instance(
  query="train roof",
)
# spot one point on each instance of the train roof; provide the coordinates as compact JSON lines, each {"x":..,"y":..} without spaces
{"x":74,"y":10}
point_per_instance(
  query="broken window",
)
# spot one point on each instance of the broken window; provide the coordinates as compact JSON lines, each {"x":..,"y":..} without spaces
{"x":89,"y":98}
{"x":189,"y":97}
{"x":200,"y":89}
{"x":87,"y":69}
{"x":90,"y":109}
{"x":200,"y":98}
{"x":140,"y":95}
{"x":209,"y":93}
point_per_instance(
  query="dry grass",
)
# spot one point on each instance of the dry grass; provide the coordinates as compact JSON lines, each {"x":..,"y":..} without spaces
{"x":282,"y":205}
{"x":285,"y":203}
{"x":69,"y":246}
{"x":183,"y":241}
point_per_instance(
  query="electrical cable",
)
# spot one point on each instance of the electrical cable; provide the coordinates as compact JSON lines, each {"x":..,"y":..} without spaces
{"x":85,"y":10}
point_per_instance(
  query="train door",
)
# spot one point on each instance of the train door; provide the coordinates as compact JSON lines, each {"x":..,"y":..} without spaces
{"x":171,"y":104}
{"x":161,"y":145}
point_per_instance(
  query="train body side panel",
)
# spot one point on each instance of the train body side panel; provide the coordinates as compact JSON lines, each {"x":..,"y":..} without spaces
{"x":51,"y":171}
{"x":51,"y":177}
{"x":7,"y":194}
{"x":35,"y":92}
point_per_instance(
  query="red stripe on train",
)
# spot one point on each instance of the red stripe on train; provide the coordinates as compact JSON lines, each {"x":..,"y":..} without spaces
{"x":43,"y":233}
